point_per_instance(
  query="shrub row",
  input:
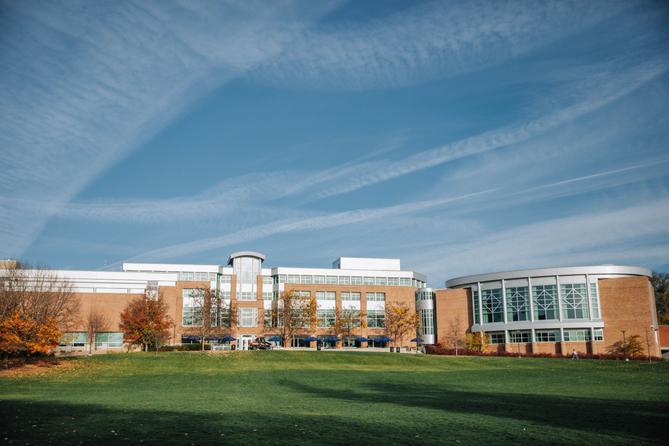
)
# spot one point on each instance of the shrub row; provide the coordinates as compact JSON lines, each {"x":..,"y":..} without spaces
{"x":441,"y":350}
{"x":184,"y":348}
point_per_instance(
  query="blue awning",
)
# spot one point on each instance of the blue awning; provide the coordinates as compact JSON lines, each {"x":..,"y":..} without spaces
{"x":228,"y":338}
{"x":275,"y":339}
{"x":330,"y":339}
{"x":417,"y":340}
{"x":380,"y":339}
{"x":190,"y":339}
{"x":362,"y":339}
{"x":311,"y":339}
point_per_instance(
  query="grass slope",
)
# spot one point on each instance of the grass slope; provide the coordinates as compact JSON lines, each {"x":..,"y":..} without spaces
{"x":281,"y":397}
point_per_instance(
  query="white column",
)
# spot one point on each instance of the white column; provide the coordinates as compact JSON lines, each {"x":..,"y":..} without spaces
{"x":587,"y":286}
{"x":504,"y":300}
{"x":559,"y":298}
{"x":529,"y":291}
{"x":480,"y":303}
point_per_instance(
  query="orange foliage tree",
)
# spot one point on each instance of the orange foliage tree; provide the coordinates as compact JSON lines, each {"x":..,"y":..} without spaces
{"x":145,"y":322}
{"x":21,"y":335}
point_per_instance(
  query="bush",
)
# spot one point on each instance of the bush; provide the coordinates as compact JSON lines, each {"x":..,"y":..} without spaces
{"x":184,"y":348}
{"x":441,"y":350}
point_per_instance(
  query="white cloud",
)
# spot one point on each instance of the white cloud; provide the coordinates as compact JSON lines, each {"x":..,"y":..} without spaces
{"x":85,"y":83}
{"x":434,"y":40}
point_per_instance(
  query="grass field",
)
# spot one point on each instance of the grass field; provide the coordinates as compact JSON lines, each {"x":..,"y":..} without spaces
{"x":280,"y":397}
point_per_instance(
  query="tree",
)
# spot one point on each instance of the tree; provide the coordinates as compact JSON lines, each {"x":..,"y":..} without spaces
{"x":476,"y":341}
{"x":212,"y":315}
{"x":96,"y":322}
{"x":145,"y":322}
{"x":295,"y":313}
{"x":346,"y":321}
{"x":660,"y":282}
{"x":400,"y":320}
{"x":630,"y":347}
{"x":36,"y":307}
{"x":454,"y":335}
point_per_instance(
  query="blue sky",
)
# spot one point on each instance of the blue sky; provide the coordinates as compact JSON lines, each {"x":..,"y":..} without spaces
{"x":461,"y":137}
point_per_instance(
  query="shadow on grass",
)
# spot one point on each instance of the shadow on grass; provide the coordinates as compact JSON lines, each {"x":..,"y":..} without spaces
{"x":640,"y":419}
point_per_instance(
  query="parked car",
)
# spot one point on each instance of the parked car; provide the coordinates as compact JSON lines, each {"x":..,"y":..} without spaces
{"x":260,"y":344}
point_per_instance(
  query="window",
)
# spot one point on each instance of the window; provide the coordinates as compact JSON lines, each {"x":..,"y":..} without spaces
{"x":225,"y":295}
{"x":109,"y":339}
{"x":267,"y":280}
{"x":186,"y":275}
{"x":517,"y":304}
{"x":517,"y":337}
{"x":381,"y":281}
{"x":427,"y":322}
{"x":376,"y":319}
{"x":74,"y":339}
{"x":267,"y":318}
{"x":475,"y":305}
{"x":226,"y":278}
{"x":594,"y":300}
{"x":319,"y":280}
{"x":202,"y":276}
{"x":303,"y":294}
{"x":350,"y":296}
{"x":493,"y":310}
{"x":393,"y":281}
{"x":574,"y":301}
{"x":547,"y":335}
{"x":307,"y":280}
{"x":405,"y":281}
{"x":344,"y":280}
{"x":267,"y":295}
{"x":497,"y":337}
{"x":332,"y":280}
{"x":368,"y":280}
{"x":326,"y":318}
{"x":325,"y":295}
{"x":375,"y":297}
{"x":576,"y":335}
{"x":247,"y":295}
{"x":293,"y":278}
{"x":356,"y":280}
{"x":191,"y":306}
{"x":248,"y":317}
{"x":599,"y":334}
{"x":282,"y":278}
{"x":545,"y":302}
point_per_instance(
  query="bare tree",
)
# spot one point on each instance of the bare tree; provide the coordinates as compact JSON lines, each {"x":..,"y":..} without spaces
{"x":96,"y":322}
{"x":295,"y":313}
{"x":39,"y":294}
{"x":454,"y":335}
{"x":400,"y":320}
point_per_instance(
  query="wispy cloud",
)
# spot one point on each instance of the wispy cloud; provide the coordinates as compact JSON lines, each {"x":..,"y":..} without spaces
{"x":85,"y":83}
{"x":434,"y":40}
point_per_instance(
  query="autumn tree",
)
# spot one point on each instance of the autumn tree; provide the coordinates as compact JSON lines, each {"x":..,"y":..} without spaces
{"x":476,"y":341}
{"x":96,"y":322}
{"x":454,"y":334}
{"x":145,"y":321}
{"x":630,"y":347}
{"x":346,"y":321}
{"x":400,"y":320}
{"x":36,"y":307}
{"x":295,"y":313}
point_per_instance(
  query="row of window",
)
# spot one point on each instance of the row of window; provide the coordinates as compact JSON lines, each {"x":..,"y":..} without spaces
{"x":570,"y":335}
{"x":573,"y":301}
{"x":426,"y":322}
{"x":347,"y":280}
{"x":101,"y":340}
{"x":327,"y":318}
{"x":320,"y":295}
{"x":309,"y":279}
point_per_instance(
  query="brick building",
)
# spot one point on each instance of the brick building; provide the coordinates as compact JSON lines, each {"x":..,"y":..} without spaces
{"x":551,"y":310}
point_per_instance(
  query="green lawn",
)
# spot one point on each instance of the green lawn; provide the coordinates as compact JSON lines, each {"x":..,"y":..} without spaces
{"x":280,"y":397}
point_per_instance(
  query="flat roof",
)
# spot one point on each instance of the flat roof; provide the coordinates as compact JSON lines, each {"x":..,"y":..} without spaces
{"x":556,"y":271}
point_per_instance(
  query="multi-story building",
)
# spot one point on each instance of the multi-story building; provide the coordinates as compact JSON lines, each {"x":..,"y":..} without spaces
{"x":360,"y":285}
{"x":551,"y":310}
